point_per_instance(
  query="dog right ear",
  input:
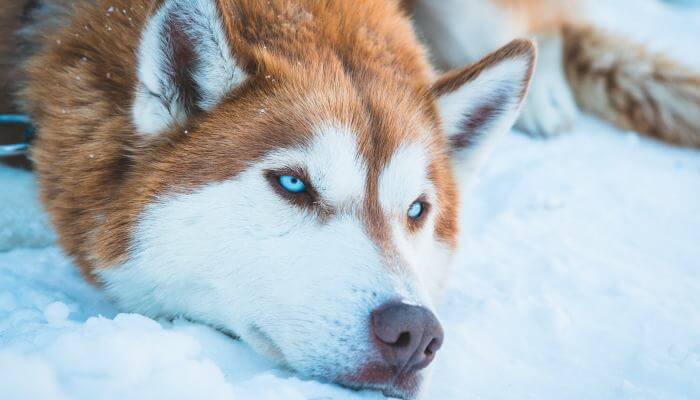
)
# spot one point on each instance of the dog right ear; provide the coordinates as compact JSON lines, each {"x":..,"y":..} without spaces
{"x":185,"y":65}
{"x":480,"y":103}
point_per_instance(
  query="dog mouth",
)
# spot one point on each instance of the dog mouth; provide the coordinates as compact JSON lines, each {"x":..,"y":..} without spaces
{"x":373,"y":376}
{"x":387,"y":380}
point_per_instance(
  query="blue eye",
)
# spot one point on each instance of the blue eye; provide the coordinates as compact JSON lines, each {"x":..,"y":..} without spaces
{"x":415,"y":210}
{"x":292,"y":184}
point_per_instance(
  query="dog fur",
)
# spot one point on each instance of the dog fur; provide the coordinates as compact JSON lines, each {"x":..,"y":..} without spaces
{"x":163,"y":126}
{"x":579,"y":66}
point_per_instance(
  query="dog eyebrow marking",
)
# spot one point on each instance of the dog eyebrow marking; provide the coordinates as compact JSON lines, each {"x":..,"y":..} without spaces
{"x":336,"y":168}
{"x":333,"y":165}
{"x":404,"y":179}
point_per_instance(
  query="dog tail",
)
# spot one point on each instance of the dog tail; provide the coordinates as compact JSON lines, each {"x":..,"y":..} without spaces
{"x":632,"y":88}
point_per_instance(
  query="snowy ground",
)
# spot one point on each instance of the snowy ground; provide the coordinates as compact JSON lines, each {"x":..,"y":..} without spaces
{"x":580,"y":279}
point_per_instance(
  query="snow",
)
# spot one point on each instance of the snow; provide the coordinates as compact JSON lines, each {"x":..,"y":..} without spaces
{"x":579,"y":279}
{"x":21,"y":222}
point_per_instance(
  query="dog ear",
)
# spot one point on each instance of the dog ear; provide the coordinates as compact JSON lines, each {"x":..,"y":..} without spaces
{"x":185,"y":65}
{"x":481,"y":102}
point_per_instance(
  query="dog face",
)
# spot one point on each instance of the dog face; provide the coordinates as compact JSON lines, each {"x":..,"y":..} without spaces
{"x":311,"y":213}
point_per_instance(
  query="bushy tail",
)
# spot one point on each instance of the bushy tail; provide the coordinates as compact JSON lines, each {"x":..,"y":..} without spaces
{"x":628,"y":86}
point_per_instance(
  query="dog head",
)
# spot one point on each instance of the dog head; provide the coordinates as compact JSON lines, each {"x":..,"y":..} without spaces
{"x":296,"y":187}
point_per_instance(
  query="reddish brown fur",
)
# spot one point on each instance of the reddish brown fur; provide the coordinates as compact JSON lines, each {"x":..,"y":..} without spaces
{"x":611,"y":77}
{"x":616,"y":79}
{"x":633,"y":88}
{"x":310,"y":61}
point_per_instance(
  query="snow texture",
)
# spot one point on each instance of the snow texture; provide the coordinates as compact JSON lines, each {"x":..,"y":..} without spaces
{"x":579,"y":279}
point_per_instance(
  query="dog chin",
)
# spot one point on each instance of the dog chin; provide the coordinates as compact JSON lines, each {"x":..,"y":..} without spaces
{"x":405,"y":385}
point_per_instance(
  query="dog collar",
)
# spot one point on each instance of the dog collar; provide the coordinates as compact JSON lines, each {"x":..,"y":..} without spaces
{"x":21,"y":148}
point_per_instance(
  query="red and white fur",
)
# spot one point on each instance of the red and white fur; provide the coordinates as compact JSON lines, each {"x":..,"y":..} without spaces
{"x":165,"y":127}
{"x":580,"y":66}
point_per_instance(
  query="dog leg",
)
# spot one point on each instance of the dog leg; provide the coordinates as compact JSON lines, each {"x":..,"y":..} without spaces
{"x":550,"y":107}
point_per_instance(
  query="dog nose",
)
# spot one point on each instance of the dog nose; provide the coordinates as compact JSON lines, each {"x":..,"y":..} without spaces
{"x":408,"y":336}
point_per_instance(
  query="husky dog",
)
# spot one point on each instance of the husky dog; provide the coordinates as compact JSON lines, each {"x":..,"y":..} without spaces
{"x":282,"y":170}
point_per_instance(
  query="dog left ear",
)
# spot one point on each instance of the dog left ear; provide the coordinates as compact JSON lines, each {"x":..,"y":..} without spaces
{"x":481,"y":102}
{"x":185,"y":65}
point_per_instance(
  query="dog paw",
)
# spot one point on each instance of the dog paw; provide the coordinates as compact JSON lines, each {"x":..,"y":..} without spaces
{"x":550,"y":108}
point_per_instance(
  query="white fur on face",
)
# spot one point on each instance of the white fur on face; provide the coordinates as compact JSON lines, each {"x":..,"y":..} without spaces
{"x":238,"y":256}
{"x":404,"y":180}
{"x":159,"y":102}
